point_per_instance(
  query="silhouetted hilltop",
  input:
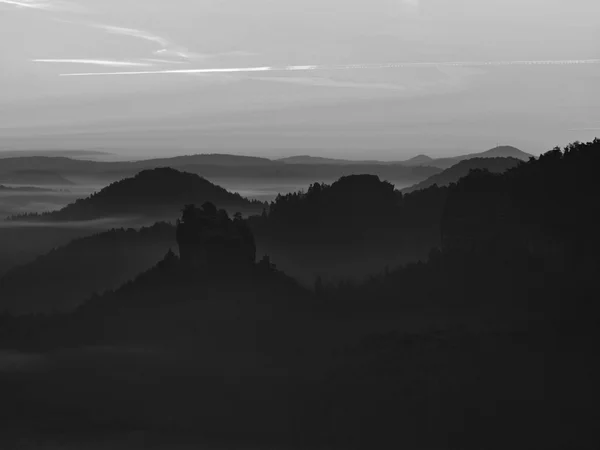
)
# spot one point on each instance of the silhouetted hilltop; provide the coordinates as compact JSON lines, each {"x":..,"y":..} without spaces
{"x":175,"y":318}
{"x":216,"y":272}
{"x":35,"y":177}
{"x":336,"y":210}
{"x":524,"y":240}
{"x":63,"y":278}
{"x":355,"y":226}
{"x":456,"y":172}
{"x":546,"y":202}
{"x":154,"y":194}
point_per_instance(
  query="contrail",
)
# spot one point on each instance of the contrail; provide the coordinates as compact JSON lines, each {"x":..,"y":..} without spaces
{"x":97,"y":62}
{"x":340,"y":67}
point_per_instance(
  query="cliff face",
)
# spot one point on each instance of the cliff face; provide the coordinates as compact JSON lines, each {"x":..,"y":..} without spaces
{"x":209,"y":240}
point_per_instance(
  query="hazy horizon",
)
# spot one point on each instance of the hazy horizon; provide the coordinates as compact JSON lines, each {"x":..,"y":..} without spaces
{"x":329,"y":109}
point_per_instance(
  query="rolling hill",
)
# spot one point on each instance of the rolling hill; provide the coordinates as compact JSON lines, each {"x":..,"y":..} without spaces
{"x":155,"y":194}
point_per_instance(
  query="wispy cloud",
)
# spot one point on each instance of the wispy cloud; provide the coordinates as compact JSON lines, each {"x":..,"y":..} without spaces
{"x":49,"y":5}
{"x":168,"y":52}
{"x":166,"y":48}
{"x":33,"y":4}
{"x":339,"y":67}
{"x":131,"y":32}
{"x":182,"y":71}
{"x":97,"y":62}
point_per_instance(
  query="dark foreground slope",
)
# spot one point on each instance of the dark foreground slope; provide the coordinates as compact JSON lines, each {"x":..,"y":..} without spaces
{"x":515,"y":275}
{"x":190,"y":346}
{"x":489,"y":344}
{"x":155,"y":194}
{"x":61,"y":279}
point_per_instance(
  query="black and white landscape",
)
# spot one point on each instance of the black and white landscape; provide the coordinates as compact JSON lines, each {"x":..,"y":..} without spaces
{"x":328,"y":224}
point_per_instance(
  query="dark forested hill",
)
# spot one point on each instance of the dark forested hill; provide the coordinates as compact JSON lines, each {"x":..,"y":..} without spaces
{"x":68,"y":275}
{"x":355,"y":226}
{"x":456,"y":172}
{"x":151,"y":194}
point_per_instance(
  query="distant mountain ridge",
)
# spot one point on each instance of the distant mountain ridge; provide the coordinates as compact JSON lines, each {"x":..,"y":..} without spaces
{"x":462,"y":169}
{"x":307,"y":159}
{"x":157,"y":194}
{"x":216,"y":159}
{"x":75,"y":154}
{"x":218,"y":167}
{"x":419,"y":160}
{"x":444,"y":163}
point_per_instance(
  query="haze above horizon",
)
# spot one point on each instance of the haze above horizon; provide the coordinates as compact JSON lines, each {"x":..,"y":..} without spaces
{"x":344,"y":98}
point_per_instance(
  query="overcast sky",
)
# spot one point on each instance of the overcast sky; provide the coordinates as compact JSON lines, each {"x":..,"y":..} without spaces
{"x":377,"y":111}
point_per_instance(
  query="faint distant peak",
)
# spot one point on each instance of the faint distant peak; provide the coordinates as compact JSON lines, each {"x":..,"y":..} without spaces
{"x":215,"y":159}
{"x":504,"y":151}
{"x":74,"y":154}
{"x":419,"y":159}
{"x":501,"y":151}
{"x":313,"y":160}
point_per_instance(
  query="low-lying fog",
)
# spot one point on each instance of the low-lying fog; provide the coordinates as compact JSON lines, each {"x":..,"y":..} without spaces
{"x":24,"y":199}
{"x":37,"y":198}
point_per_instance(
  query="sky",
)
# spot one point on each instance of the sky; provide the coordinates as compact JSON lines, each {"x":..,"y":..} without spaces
{"x":358,"y":79}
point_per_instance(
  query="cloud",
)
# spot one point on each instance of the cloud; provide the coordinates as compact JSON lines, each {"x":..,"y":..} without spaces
{"x":133,"y":33}
{"x":48,"y":5}
{"x":341,"y":67}
{"x":33,"y":4}
{"x":166,"y":50}
{"x":182,"y":71}
{"x":97,"y":62}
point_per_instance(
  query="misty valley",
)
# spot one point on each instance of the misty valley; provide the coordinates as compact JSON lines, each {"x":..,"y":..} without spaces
{"x":216,"y":301}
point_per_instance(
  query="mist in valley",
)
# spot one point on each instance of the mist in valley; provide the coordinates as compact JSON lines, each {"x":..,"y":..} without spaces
{"x":317,"y":224}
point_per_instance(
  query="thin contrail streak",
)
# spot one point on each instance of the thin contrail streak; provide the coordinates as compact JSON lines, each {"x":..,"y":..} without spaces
{"x":339,"y":67}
